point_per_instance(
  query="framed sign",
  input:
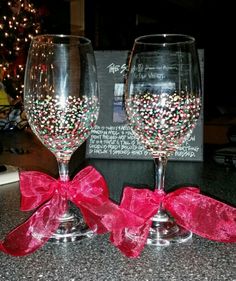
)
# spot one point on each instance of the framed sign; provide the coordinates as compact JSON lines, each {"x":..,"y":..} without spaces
{"x":112,"y":138}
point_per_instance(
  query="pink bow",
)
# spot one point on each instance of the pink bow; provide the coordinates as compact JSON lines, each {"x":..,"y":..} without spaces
{"x":128,"y":223}
{"x":88,"y":190}
{"x":200,"y":214}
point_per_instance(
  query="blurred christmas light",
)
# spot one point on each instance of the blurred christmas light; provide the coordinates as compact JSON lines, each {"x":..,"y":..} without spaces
{"x":19,"y":22}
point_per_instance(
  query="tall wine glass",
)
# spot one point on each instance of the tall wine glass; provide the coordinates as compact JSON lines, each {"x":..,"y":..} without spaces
{"x":163,"y":101}
{"x":61,"y":101}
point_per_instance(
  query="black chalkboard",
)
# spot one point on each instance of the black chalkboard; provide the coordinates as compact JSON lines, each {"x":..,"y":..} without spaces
{"x":112,"y":138}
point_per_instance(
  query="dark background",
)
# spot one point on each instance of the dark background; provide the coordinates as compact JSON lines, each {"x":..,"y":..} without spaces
{"x":114,"y":25}
{"x":210,"y":22}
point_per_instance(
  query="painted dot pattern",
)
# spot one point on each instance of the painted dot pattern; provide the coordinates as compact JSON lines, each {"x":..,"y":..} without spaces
{"x":62,"y":124}
{"x":162,"y":122}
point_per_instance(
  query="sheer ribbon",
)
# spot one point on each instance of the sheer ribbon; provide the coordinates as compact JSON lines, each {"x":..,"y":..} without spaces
{"x":128,"y":223}
{"x":88,"y":190}
{"x":198,"y":213}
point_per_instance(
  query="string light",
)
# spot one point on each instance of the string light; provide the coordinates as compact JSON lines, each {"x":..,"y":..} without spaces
{"x":17,"y":27}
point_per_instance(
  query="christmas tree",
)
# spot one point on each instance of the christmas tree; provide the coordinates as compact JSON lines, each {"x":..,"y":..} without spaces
{"x":19,"y":22}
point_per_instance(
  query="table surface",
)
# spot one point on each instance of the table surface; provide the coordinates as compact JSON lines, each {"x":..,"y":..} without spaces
{"x":97,"y":258}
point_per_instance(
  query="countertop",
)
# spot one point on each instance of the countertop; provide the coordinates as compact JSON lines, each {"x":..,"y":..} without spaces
{"x":97,"y":258}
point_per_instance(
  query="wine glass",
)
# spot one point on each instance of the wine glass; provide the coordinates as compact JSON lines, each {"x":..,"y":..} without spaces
{"x":163,"y":102}
{"x":61,"y":100}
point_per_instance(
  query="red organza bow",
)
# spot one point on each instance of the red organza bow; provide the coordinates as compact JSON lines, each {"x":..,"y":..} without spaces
{"x":198,"y":213}
{"x":128,"y":222}
{"x":88,"y":190}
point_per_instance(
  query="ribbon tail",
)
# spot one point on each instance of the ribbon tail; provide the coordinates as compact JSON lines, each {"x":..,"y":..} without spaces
{"x":89,"y":192}
{"x":35,"y":231}
{"x":96,"y":211}
{"x":128,"y":230}
{"x":202,"y":215}
{"x":131,"y":230}
{"x":131,"y":240}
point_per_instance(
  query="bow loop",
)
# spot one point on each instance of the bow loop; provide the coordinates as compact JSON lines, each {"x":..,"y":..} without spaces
{"x":36,"y":188}
{"x":88,"y":190}
{"x":142,"y":202}
{"x":87,"y":184}
{"x":204,"y":216}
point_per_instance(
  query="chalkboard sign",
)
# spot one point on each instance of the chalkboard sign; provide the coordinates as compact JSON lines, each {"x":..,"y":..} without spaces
{"x":112,"y":138}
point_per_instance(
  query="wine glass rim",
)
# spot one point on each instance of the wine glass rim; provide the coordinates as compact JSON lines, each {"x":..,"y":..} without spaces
{"x":81,"y":39}
{"x":181,"y":39}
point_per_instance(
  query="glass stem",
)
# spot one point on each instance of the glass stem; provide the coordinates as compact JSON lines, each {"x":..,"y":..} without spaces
{"x":63,"y":168}
{"x":63,"y":171}
{"x":160,"y":171}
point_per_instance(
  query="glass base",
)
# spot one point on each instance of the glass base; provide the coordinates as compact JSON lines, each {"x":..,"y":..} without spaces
{"x":72,"y":228}
{"x":164,"y":231}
